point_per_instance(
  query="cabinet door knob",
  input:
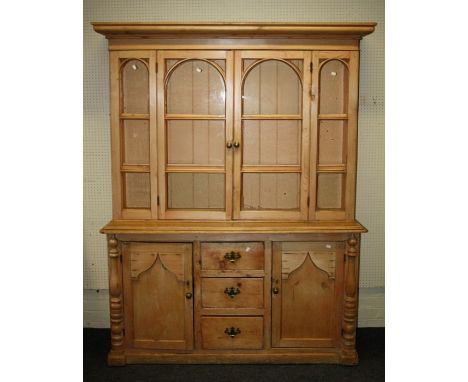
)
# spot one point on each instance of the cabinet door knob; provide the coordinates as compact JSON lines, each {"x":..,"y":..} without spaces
{"x":232,"y":332}
{"x":236,"y":145}
{"x":275,"y":290}
{"x":188,"y":296}
{"x":229,"y":145}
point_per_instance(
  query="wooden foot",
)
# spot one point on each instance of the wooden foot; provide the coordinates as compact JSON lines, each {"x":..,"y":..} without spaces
{"x":349,"y":358}
{"x":116,"y":358}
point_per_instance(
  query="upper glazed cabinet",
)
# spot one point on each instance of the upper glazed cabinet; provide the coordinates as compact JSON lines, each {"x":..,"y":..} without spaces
{"x":237,"y":133}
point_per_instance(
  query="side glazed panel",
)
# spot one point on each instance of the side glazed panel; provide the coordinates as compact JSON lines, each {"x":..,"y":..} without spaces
{"x":306,"y":293}
{"x":133,"y":117}
{"x":334,"y":135}
{"x":157,"y":284}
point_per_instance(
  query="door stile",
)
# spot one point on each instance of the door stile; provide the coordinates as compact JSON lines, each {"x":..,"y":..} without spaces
{"x":237,"y":134}
{"x":314,"y":135}
{"x":153,"y":134}
{"x":306,"y":104}
{"x":161,"y":141}
{"x":276,"y":297}
{"x":229,"y":115}
{"x":353,"y":96}
{"x":115,"y":134}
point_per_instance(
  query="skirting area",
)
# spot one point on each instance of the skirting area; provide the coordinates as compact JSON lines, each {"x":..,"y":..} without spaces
{"x":370,"y":346}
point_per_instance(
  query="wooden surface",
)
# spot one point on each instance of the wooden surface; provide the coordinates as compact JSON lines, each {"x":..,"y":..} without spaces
{"x":116,"y":307}
{"x":193,"y":227}
{"x":194,"y":122}
{"x":234,"y":30}
{"x":254,"y":135}
{"x":139,"y":356}
{"x":304,"y":310}
{"x":213,"y":256}
{"x":214,"y":336}
{"x":157,"y":277}
{"x":249,"y":293}
{"x":241,"y":139}
{"x":307,"y":313}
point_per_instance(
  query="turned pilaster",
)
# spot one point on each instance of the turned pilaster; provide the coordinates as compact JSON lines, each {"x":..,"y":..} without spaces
{"x":116,"y":355}
{"x":349,"y":323}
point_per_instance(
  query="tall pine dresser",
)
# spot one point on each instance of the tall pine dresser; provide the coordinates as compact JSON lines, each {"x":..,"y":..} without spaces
{"x":233,"y":238}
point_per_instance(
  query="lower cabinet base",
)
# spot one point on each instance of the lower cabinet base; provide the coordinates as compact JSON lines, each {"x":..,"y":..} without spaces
{"x":134,"y":356}
{"x":233,"y":298}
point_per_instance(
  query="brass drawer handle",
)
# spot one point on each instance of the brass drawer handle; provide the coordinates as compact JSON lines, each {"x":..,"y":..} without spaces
{"x":232,"y":332}
{"x":231,"y":292}
{"x":232,"y":256}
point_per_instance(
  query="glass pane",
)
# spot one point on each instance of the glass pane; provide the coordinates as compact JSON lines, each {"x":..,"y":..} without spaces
{"x":136,"y":142}
{"x":135,"y":88}
{"x":334,"y":88}
{"x":272,"y":87}
{"x":195,"y":191}
{"x":171,"y":62}
{"x":271,"y":142}
{"x":195,"y":87}
{"x":332,"y":142}
{"x":270,"y":191}
{"x":299,"y":64}
{"x":330,"y":190}
{"x":137,"y":190}
{"x":195,"y":142}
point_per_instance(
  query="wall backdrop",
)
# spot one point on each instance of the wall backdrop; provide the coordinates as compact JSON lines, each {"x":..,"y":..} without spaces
{"x":97,"y":165}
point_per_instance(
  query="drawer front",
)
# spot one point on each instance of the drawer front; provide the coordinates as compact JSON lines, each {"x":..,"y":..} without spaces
{"x":232,"y":256}
{"x":232,"y":292}
{"x":232,"y":332}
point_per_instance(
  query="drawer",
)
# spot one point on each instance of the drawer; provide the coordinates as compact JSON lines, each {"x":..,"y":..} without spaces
{"x":232,"y":256}
{"x":246,"y":332}
{"x":232,"y":292}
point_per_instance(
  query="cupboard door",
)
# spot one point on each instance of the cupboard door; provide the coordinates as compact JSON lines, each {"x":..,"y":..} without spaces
{"x":194,"y":128}
{"x":158,"y":295}
{"x":271,"y":135}
{"x":334,"y":133}
{"x":133,"y":122}
{"x":306,"y":294}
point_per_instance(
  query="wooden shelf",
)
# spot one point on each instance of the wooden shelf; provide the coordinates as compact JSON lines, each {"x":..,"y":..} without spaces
{"x":192,"y":227}
{"x":195,"y":116}
{"x":332,"y":117}
{"x":331,"y":168}
{"x":134,"y":167}
{"x":272,"y":117}
{"x":134,"y":116}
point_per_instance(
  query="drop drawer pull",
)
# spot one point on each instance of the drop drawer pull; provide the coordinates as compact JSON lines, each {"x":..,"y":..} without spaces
{"x":232,"y":332}
{"x":232,"y":256}
{"x":232,"y":292}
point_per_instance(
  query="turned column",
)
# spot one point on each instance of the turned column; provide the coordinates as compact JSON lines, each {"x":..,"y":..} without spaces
{"x":116,"y":355}
{"x":349,"y":323}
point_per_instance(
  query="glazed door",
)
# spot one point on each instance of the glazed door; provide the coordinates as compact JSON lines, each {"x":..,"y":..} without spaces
{"x":271,"y":135}
{"x":133,"y":132}
{"x":306,"y":294}
{"x":195,"y":102}
{"x":158,"y":295}
{"x":334,"y":133}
